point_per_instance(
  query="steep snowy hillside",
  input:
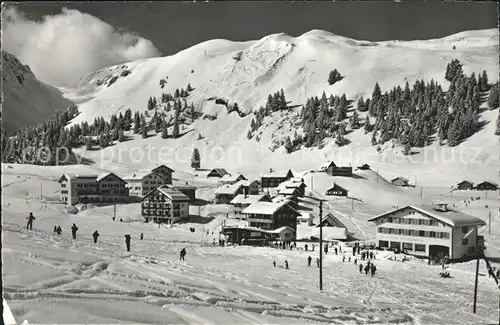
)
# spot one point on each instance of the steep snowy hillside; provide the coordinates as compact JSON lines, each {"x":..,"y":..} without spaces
{"x":26,"y":100}
{"x":247,"y":72}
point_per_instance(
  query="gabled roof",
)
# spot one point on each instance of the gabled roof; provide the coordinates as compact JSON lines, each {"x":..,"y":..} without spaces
{"x":279,"y":230}
{"x":305,"y":215}
{"x":228,"y":189}
{"x":451,"y":217}
{"x":185,"y":186}
{"x":219,"y":171}
{"x":291,"y":184}
{"x":140,"y":174}
{"x":337,"y":187}
{"x":72,"y":176}
{"x":466,"y":181}
{"x":268,"y":208}
{"x":249,"y":199}
{"x":401,"y":178}
{"x":332,"y":221}
{"x":288,"y":191}
{"x":158,"y":167}
{"x":488,"y":182}
{"x":104,"y":175}
{"x":280,"y":174}
{"x":327,"y":165}
{"x":232,"y":178}
{"x":330,"y":233}
{"x":169,"y":191}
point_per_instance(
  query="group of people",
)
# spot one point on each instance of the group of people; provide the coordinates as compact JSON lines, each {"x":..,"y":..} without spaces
{"x":286,"y":264}
{"x":58,"y":230}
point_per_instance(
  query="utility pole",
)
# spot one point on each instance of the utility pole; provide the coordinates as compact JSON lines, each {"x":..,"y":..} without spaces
{"x":41,"y":190}
{"x":421,"y":192}
{"x":202,"y":231}
{"x":451,"y":191}
{"x":352,"y":205}
{"x":114,"y":211}
{"x":489,"y":223}
{"x":477,"y":276}
{"x":320,"y":246}
{"x":377,"y":175}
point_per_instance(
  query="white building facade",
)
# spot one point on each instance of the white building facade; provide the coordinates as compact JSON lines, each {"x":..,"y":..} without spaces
{"x":142,"y":182}
{"x":433,"y":231}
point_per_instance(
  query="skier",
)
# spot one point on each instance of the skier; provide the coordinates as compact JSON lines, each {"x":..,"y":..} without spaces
{"x":373,"y":269}
{"x":343,"y":259}
{"x":274,"y":263}
{"x":340,"y":249}
{"x":349,"y":259}
{"x":336,"y":251}
{"x":317,"y":262}
{"x":313,"y":247}
{"x":183,"y":254}
{"x":367,"y":268}
{"x":127,"y":242}
{"x":55,"y":229}
{"x":361,"y":268}
{"x":142,"y":236}
{"x":309,"y":259}
{"x":286,"y":264}
{"x":355,"y":261}
{"x":59,"y":230}
{"x":354,"y":251}
{"x":326,"y":249}
{"x":30,"y":219}
{"x":74,"y":229}
{"x":95,"y":235}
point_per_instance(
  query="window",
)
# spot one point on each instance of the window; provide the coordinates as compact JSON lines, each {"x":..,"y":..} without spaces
{"x":465,"y":229}
{"x":465,"y":241}
{"x":419,"y":248}
{"x":63,"y":185}
{"x":64,"y":192}
{"x":472,"y":249}
{"x":446,"y":235}
{"x":408,"y":246}
{"x":421,"y":233}
{"x":383,"y":243}
{"x":432,"y":234}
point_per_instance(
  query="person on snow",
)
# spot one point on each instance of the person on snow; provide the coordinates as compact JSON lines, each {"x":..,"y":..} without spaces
{"x":349,"y":259}
{"x":142,"y":236}
{"x":340,"y":249}
{"x":359,"y":249}
{"x":373,"y":269}
{"x":183,"y":254}
{"x":343,"y":259}
{"x":367,"y":268}
{"x":498,"y":273}
{"x":313,"y":247}
{"x":95,"y":235}
{"x":309,"y":259}
{"x":127,"y":242}
{"x":361,"y":268}
{"x":317,"y":261}
{"x":363,"y":256}
{"x":355,"y":261}
{"x":59,"y":230}
{"x":55,"y":229}
{"x":336,"y":251}
{"x":371,"y":255}
{"x":305,"y":247}
{"x":74,"y":229}
{"x":354,"y":251}
{"x":30,"y":219}
{"x":274,"y":263}
{"x":326,"y":249}
{"x":286,"y":264}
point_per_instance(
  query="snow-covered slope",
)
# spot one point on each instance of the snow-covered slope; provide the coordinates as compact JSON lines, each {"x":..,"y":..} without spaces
{"x":26,"y":100}
{"x":246,"y":72}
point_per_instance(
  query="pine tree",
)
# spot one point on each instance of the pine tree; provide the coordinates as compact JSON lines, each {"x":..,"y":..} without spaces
{"x":485,"y":81}
{"x":354,"y":121}
{"x":494,"y":96}
{"x":249,"y":134}
{"x":176,"y":93}
{"x":164,"y":132}
{"x":407,"y":149}
{"x":175,"y":132}
{"x":497,"y":131}
{"x":193,"y":114}
{"x":331,"y":78}
{"x":367,"y":125}
{"x":288,"y":144}
{"x":196,"y":159}
{"x":454,"y":132}
{"x":115,"y":135}
{"x":144,"y":127}
{"x":121,"y":136}
{"x":361,"y":105}
{"x":158,"y":124}
{"x":189,"y":88}
{"x":137,"y":123}
{"x":331,"y":101}
{"x":88,"y":143}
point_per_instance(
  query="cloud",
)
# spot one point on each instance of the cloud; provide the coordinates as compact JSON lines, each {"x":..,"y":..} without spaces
{"x":62,"y":48}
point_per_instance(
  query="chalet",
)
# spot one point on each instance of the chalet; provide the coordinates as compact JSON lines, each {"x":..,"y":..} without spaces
{"x":305,"y":217}
{"x":243,"y":201}
{"x":165,"y":204}
{"x":400,"y":181}
{"x":465,"y":185}
{"x":103,"y":188}
{"x":283,"y":234}
{"x":329,"y":220}
{"x":274,"y":179}
{"x":226,"y":193}
{"x":188,"y":190}
{"x":486,"y":186}
{"x":217,"y":172}
{"x":293,"y":183}
{"x":232,"y":179}
{"x":142,"y":182}
{"x":364,"y":167}
{"x":293,"y":201}
{"x":271,"y":215}
{"x":428,"y":230}
{"x":334,"y":170}
{"x":165,"y":171}
{"x":289,"y":192}
{"x":245,"y":235}
{"x":336,"y":190}
{"x":249,"y":187}
{"x":112,"y":188}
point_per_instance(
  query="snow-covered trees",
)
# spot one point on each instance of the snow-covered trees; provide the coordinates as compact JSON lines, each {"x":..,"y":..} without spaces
{"x":196,"y":159}
{"x":334,"y":76}
{"x":288,"y":144}
{"x":494,"y":96}
{"x":497,"y":130}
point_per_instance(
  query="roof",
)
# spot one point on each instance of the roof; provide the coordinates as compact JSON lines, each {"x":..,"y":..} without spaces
{"x":326,"y":165}
{"x":157,"y":167}
{"x":291,"y":184}
{"x":245,"y":183}
{"x":185,"y":186}
{"x":227,"y":189}
{"x":220,"y":171}
{"x":332,"y":220}
{"x":330,"y":233}
{"x":140,"y":174}
{"x":287,"y":191}
{"x":492,"y":183}
{"x":103,"y":175}
{"x":170,"y":191}
{"x":401,"y":178}
{"x":281,"y":174}
{"x":279,"y":230}
{"x":337,"y":186}
{"x":249,"y":199}
{"x":264,"y":207}
{"x":305,"y":215}
{"x":466,"y":181}
{"x":451,"y":217}
{"x":72,"y":176}
{"x":231,"y":178}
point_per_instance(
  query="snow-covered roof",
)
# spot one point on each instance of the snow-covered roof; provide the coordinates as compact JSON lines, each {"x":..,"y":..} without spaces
{"x":227,"y":189}
{"x":287,"y":191}
{"x":326,"y":165}
{"x":332,"y":221}
{"x":268,"y":208}
{"x":72,"y":176}
{"x":279,"y":174}
{"x":173,"y":193}
{"x":329,"y":233}
{"x":279,"y":230}
{"x":249,"y":199}
{"x":219,"y":171}
{"x":103,"y":175}
{"x":401,"y":178}
{"x":450,"y":217}
{"x":489,"y":182}
{"x":291,"y":184}
{"x":140,"y":174}
{"x":231,"y":178}
{"x":466,"y":181}
{"x":305,"y":216}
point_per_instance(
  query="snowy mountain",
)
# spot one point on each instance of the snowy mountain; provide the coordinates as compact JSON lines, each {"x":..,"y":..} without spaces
{"x":247,"y":72}
{"x":26,"y":100}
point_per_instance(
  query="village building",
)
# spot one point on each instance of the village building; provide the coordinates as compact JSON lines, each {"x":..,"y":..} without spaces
{"x":429,"y":230}
{"x":249,"y":187}
{"x":103,"y":188}
{"x":226,"y":193}
{"x":289,"y":192}
{"x":245,"y":235}
{"x":400,"y":181}
{"x":305,"y":217}
{"x":283,"y":234}
{"x":364,"y":167}
{"x":232,"y":179}
{"x":165,"y":204}
{"x":274,"y":179}
{"x":465,"y":185}
{"x":165,"y":171}
{"x":292,"y":201}
{"x":142,"y":182}
{"x":336,"y":190}
{"x":487,"y":186}
{"x":271,"y":215}
{"x":332,"y":169}
{"x":243,"y":201}
{"x":294,"y":183}
{"x":217,"y":172}
{"x":188,"y":190}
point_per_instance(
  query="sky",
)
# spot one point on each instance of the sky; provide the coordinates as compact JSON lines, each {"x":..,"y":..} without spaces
{"x":101,"y":34}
